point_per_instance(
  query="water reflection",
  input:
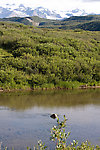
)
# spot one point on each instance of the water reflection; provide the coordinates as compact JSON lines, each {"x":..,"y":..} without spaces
{"x":22,"y":101}
{"x":25,"y":117}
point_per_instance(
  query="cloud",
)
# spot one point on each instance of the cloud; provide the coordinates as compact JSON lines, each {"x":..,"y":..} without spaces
{"x":90,"y":6}
{"x":91,"y":0}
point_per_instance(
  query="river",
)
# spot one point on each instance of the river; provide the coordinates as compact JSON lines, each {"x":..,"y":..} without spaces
{"x":25,"y":116}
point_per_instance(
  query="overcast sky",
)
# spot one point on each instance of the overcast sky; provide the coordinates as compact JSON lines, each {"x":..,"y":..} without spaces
{"x":88,"y":5}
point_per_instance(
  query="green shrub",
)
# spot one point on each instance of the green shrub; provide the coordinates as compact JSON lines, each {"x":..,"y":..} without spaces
{"x":60,"y":137}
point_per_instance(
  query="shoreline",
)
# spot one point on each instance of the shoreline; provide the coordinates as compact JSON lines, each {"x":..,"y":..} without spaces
{"x":45,"y":89}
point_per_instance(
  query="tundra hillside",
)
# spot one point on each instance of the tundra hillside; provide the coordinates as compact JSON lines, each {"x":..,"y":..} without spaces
{"x":32,"y":57}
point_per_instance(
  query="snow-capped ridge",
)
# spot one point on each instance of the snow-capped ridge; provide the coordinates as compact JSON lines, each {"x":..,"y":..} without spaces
{"x":12,"y":10}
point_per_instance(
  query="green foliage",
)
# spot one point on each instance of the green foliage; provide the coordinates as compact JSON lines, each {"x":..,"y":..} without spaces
{"x":41,"y":145}
{"x":58,"y":134}
{"x":60,"y":137}
{"x":68,"y":84}
{"x":31,"y":57}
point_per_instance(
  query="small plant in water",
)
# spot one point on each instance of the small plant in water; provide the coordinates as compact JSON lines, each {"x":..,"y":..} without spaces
{"x":59,"y":135}
{"x":41,"y":145}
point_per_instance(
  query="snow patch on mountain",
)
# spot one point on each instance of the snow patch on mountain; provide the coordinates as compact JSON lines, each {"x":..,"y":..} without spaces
{"x":22,"y":11}
{"x":17,"y":14}
{"x":70,"y":13}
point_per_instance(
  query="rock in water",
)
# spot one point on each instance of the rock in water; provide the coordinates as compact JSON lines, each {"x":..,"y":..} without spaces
{"x":53,"y":116}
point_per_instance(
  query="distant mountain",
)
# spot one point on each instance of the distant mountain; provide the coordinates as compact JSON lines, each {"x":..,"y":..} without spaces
{"x":14,"y":11}
{"x":42,"y":17}
{"x":46,"y":13}
{"x":34,"y":20}
{"x":4,"y":12}
{"x":91,"y":26}
{"x":89,"y":22}
{"x":22,"y":11}
{"x":74,"y":12}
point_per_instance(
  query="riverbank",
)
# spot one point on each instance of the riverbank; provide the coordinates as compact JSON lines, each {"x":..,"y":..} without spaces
{"x":45,"y":89}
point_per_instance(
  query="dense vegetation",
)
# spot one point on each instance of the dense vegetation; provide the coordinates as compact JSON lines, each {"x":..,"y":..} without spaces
{"x":32,"y":57}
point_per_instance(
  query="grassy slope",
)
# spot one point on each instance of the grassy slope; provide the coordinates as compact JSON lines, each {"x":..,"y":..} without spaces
{"x":32,"y":57}
{"x":25,"y":20}
{"x":91,"y":22}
